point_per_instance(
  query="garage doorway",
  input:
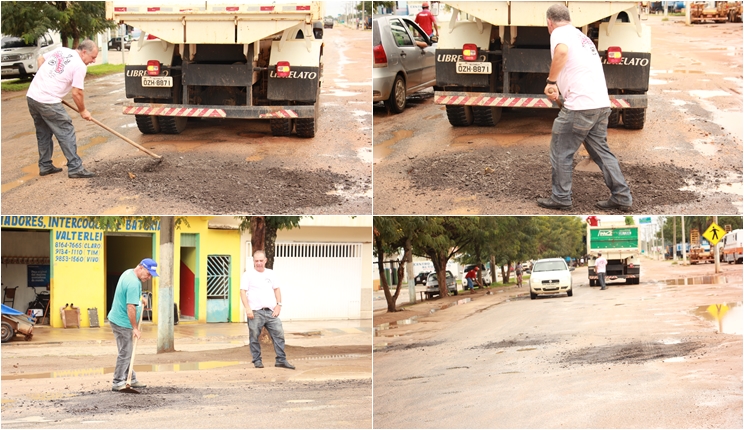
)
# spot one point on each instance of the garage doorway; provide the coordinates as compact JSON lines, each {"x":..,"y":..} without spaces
{"x":189,"y":276}
{"x":25,"y":263}
{"x":125,"y":251}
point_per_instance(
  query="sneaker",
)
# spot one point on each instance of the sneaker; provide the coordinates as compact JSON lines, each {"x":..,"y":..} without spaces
{"x":549,"y":203}
{"x":609,"y":204}
{"x":285,"y":365}
{"x":119,"y":387}
{"x":51,"y":171}
{"x":258,"y":365}
{"x":85,"y":173}
{"x":137,"y":384}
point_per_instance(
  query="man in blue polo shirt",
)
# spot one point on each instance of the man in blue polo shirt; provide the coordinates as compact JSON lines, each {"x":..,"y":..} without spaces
{"x":124,"y":315}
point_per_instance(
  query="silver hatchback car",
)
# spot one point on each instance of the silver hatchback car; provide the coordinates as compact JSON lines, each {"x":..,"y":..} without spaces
{"x":403,"y":60}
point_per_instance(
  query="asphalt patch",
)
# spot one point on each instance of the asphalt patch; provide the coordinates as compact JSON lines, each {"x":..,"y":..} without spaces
{"x":630,"y":353}
{"x":409,"y":346}
{"x":222,"y":187}
{"x":496,"y":173}
{"x":512,"y":343}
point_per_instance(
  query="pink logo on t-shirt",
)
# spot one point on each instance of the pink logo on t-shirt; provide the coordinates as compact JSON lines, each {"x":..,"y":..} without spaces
{"x":59,"y":61}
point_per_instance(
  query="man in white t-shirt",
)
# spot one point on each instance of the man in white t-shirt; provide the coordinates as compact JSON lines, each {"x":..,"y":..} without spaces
{"x":262,"y":299}
{"x":600,"y":267}
{"x":59,"y":72}
{"x":576,"y":72}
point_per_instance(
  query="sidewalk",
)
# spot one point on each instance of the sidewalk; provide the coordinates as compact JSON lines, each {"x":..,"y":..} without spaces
{"x":188,"y":336}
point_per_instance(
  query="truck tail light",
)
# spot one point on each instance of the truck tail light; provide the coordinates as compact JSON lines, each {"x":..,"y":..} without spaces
{"x":630,"y":266}
{"x":614,"y":55}
{"x":469,"y":52}
{"x":153,"y":67}
{"x":380,"y":56}
{"x":282,"y":69}
{"x":152,"y":37}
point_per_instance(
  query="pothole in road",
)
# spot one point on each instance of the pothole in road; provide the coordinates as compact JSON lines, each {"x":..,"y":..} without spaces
{"x":512,"y":343}
{"x":631,"y":353}
{"x":726,"y":317}
{"x":406,"y":347}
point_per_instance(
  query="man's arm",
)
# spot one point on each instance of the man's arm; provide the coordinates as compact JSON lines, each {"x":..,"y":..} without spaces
{"x":132,"y":314}
{"x":244,"y":299}
{"x":79,"y":99}
{"x":40,"y":61}
{"x":560,"y":57}
{"x":434,"y":24}
{"x":278,"y":307}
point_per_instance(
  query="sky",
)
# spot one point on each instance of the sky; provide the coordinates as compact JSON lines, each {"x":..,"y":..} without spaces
{"x":335,"y":8}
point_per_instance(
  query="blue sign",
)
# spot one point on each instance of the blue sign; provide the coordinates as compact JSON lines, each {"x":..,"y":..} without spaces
{"x":644,"y":220}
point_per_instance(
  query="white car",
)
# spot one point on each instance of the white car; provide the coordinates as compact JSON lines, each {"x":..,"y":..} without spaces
{"x":486,"y":274}
{"x":19,"y":57}
{"x":432,"y":284}
{"x":550,"y":276}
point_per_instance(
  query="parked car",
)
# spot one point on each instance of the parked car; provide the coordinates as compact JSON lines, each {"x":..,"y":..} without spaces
{"x":486,"y":274}
{"x":328,"y":22}
{"x":421,"y":278}
{"x":19,"y":58}
{"x":550,"y":276}
{"x":403,"y":61}
{"x":115,"y":43}
{"x":432,"y":284}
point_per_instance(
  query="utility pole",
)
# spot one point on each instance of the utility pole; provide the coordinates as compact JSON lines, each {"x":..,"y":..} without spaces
{"x":716,"y":255}
{"x":684,"y":248}
{"x":663,"y":245}
{"x":674,"y":235}
{"x":411,"y":276}
{"x":165,"y":286}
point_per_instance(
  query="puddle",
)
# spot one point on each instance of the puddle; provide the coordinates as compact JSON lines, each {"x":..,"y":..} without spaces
{"x":674,"y":360}
{"x":395,"y":324}
{"x":700,"y":280}
{"x":728,"y":317}
{"x":526,"y":349}
{"x":384,"y":149}
{"x":705,"y":94}
{"x":657,"y":82}
{"x":727,"y":186}
{"x":705,"y":146}
{"x":512,"y":139}
{"x":173,"y":367}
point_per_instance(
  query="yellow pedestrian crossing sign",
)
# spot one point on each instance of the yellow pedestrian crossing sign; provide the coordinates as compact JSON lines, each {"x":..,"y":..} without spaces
{"x":714,"y":233}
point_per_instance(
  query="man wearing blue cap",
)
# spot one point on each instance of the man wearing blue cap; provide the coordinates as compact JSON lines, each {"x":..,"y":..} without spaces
{"x":124,"y":315}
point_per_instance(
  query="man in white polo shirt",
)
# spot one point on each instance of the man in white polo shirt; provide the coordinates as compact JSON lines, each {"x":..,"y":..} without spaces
{"x":576,"y":72}
{"x":262,"y":299}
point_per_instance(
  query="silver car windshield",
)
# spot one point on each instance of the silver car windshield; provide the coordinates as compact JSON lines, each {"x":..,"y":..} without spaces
{"x":548,"y":266}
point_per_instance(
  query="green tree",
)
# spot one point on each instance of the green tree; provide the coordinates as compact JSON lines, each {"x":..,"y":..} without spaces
{"x":74,"y":20}
{"x":267,"y":227}
{"x":629,"y":220}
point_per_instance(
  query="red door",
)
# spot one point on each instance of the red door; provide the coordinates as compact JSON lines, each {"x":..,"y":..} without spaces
{"x":187,"y":291}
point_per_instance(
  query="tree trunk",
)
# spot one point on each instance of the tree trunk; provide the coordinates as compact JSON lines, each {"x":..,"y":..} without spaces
{"x":389,"y":298}
{"x":494,"y":276}
{"x":165,"y":286}
{"x":440,"y":267}
{"x":258,"y":234}
{"x":270,"y":243}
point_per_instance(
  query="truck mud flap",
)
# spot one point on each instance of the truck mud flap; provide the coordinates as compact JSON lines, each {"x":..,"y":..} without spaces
{"x":196,"y":111}
{"x":446,"y":65}
{"x":457,"y":98}
{"x":301,"y":85}
{"x":632,"y":73}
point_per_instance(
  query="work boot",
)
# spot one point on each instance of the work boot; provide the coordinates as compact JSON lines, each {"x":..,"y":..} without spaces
{"x":50,"y":171}
{"x":258,"y":365}
{"x":609,"y":205}
{"x":549,"y":203}
{"x":137,"y":384}
{"x":84,"y":173}
{"x":285,"y":365}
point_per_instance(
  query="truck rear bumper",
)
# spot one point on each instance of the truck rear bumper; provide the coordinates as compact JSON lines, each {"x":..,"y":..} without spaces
{"x":458,"y":98}
{"x":197,"y":111}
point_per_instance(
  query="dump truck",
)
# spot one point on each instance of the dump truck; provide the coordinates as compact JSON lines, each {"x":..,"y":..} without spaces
{"x":700,"y":251}
{"x":220,"y":60}
{"x":621,"y":246}
{"x":708,"y":11}
{"x":496,"y":55}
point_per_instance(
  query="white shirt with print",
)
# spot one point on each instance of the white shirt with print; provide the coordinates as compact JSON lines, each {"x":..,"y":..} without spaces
{"x":260,"y":288}
{"x":62,"y":69}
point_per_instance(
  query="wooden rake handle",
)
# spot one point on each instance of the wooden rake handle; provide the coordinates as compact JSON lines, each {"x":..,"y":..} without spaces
{"x":116,"y":133}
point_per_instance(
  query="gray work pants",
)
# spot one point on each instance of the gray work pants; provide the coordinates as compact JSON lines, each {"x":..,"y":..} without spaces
{"x":53,"y":120}
{"x":125,"y":344}
{"x":262,"y":318}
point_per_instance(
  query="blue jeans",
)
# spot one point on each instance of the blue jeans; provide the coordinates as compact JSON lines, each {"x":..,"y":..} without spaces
{"x":53,"y":120}
{"x":601,"y":279}
{"x":125,"y":344}
{"x":262,"y":318}
{"x":570,"y":130}
{"x":470,"y":283}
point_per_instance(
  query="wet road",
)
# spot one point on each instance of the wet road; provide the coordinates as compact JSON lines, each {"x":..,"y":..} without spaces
{"x":686,"y":160}
{"x":637,"y":356}
{"x":214,"y":166}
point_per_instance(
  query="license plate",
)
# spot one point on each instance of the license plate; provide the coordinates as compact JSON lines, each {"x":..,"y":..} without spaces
{"x":474,"y":68}
{"x":157,"y":81}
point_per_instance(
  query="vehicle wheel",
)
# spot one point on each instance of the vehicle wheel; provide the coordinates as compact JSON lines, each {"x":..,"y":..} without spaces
{"x":614,"y":120}
{"x":570,"y":292}
{"x":147,"y":124}
{"x":173,"y":124}
{"x":592,"y":283}
{"x":740,"y":260}
{"x":281,"y":127}
{"x":634,"y":118}
{"x":306,"y":127}
{"x":460,"y":116}
{"x":533,"y":296}
{"x":397,"y":101}
{"x":486,"y":116}
{"x":7,"y":332}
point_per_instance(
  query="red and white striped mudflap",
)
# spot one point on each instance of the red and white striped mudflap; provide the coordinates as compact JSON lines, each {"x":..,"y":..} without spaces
{"x":175,"y":111}
{"x":525,"y":102}
{"x":279,"y":114}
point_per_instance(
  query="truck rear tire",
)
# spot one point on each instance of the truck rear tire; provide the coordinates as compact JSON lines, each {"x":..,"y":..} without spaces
{"x":460,"y":116}
{"x":173,"y":124}
{"x":281,"y":127}
{"x":306,"y":127}
{"x":614,"y":120}
{"x":396,"y":103}
{"x":147,"y":124}
{"x":592,"y":283}
{"x":634,"y":118}
{"x":486,"y":116}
